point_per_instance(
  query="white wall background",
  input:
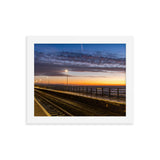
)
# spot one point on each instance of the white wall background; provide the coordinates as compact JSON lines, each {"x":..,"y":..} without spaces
{"x":139,"y":18}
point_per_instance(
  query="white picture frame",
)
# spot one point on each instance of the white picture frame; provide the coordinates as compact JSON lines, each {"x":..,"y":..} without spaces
{"x":31,"y":119}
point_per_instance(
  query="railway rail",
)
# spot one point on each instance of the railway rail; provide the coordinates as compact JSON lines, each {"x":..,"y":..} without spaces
{"x":60,"y":106}
{"x":51,"y":108}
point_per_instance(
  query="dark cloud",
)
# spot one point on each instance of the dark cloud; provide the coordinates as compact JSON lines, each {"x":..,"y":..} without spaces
{"x":48,"y":64}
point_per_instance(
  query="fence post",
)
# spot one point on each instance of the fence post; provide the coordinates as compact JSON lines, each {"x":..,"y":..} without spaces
{"x":109,"y":92}
{"x":118,"y":92}
{"x":102,"y":91}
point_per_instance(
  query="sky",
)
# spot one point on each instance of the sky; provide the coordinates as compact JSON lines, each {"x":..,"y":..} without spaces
{"x":87,"y":64}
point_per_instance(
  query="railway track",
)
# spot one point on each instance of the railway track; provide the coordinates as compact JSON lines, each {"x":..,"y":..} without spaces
{"x":51,"y":108}
{"x":60,"y":106}
{"x":72,"y":108}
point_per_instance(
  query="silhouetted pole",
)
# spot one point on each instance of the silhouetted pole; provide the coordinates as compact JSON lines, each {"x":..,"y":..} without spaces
{"x":47,"y":82}
{"x":109,"y":93}
{"x":40,"y":82}
{"x":102,"y":91}
{"x":66,"y":70}
{"x":118,"y":92}
{"x":67,"y":81}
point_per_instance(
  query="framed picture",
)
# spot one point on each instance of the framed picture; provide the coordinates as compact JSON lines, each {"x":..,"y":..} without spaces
{"x":79,"y":80}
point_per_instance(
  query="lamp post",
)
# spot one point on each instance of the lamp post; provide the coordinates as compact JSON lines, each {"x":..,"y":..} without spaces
{"x":35,"y":82}
{"x":40,"y":81}
{"x":47,"y":82}
{"x":66,"y":70}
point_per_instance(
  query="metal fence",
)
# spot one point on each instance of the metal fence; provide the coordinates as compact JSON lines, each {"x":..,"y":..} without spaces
{"x":111,"y":92}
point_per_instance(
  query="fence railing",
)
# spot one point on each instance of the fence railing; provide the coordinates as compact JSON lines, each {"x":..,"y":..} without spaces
{"x":111,"y":92}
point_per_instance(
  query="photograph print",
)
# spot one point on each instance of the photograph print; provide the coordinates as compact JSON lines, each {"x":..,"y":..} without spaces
{"x":79,"y":79}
